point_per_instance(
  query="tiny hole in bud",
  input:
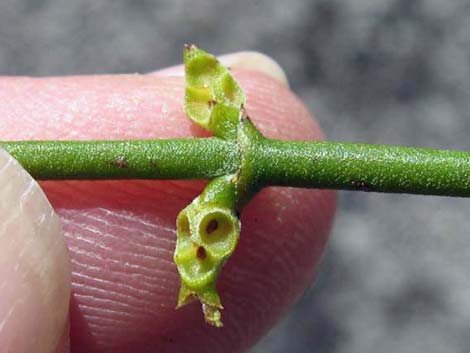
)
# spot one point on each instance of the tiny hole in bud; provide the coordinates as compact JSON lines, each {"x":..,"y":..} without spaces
{"x":216,"y":228}
{"x":201,"y":253}
{"x":212,"y":226}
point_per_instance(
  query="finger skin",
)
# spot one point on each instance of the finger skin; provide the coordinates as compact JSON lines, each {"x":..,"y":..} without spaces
{"x":121,"y":234}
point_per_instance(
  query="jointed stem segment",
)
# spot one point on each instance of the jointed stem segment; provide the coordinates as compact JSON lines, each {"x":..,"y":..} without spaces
{"x":364,"y":167}
{"x":202,"y":158}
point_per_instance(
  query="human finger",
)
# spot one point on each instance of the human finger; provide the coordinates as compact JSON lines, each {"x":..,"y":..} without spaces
{"x":121,"y":234}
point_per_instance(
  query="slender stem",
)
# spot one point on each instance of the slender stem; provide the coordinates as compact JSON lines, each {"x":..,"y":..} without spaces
{"x":366,"y":167}
{"x":331,"y":165}
{"x":203,"y":158}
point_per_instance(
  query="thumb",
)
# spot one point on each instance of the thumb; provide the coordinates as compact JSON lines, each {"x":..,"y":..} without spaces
{"x":34,"y":266}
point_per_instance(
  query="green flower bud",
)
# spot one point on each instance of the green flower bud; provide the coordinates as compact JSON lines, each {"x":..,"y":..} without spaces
{"x":207,"y":234}
{"x":213,"y":98}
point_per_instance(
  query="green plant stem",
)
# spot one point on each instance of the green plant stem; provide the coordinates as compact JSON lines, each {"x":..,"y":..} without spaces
{"x":202,"y":158}
{"x":331,"y":165}
{"x":366,"y":167}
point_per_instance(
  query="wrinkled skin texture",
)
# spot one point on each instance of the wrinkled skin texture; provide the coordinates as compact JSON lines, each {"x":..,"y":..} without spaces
{"x":121,"y":234}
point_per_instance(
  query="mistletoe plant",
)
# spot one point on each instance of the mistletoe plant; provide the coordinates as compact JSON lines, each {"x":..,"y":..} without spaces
{"x":238,"y":161}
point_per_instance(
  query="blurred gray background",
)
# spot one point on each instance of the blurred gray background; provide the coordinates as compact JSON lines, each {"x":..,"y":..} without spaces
{"x":396,"y":274}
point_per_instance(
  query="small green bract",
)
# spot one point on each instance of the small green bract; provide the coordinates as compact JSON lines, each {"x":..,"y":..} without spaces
{"x":213,"y":98}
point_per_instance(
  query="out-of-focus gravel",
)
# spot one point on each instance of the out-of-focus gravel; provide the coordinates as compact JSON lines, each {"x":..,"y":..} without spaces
{"x":396,"y":275}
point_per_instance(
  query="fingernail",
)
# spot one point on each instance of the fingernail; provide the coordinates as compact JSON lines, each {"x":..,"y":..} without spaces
{"x":64,"y":343}
{"x":34,"y":265}
{"x":248,"y":60}
{"x":252,"y":60}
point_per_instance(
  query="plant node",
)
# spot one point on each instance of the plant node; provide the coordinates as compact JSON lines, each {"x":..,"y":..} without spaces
{"x":208,"y":229}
